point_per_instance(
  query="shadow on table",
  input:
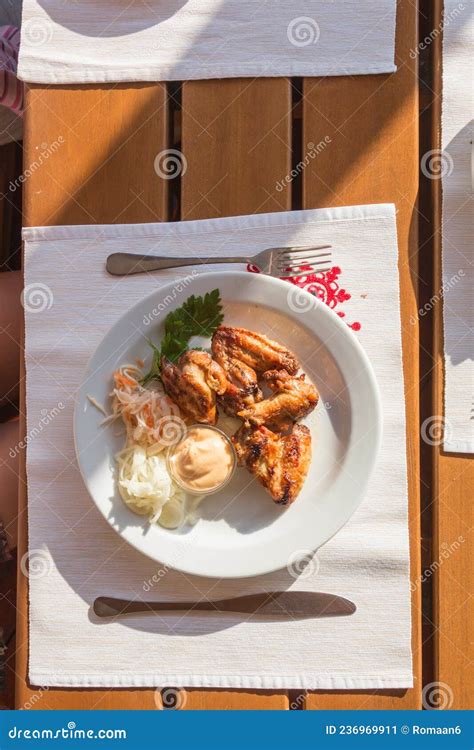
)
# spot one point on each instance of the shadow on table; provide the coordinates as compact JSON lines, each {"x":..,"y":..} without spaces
{"x":129,"y":19}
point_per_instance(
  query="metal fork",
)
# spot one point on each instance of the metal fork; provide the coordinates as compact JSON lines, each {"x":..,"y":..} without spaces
{"x":275,"y":261}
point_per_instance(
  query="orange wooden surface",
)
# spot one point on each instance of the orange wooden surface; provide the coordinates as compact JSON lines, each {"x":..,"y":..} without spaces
{"x":372,"y":157}
{"x":99,"y":146}
{"x":237,"y":137}
{"x":237,"y":144}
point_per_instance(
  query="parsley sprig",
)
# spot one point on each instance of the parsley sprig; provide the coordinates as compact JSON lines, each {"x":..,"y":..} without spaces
{"x":198,"y":316}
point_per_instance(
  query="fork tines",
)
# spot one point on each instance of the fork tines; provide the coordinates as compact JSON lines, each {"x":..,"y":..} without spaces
{"x":292,"y":259}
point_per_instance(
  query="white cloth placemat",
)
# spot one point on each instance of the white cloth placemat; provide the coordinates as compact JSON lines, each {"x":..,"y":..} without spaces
{"x":171,"y":40}
{"x":70,"y":302}
{"x":455,"y":165}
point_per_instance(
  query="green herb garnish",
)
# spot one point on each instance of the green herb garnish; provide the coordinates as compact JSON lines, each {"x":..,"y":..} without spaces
{"x":198,"y":316}
{"x":155,"y":369}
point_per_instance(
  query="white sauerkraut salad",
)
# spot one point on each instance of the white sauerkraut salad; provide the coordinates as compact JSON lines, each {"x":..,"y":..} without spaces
{"x":147,"y":488}
{"x":150,"y":418}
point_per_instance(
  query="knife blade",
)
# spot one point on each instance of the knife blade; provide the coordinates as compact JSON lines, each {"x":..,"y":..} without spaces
{"x":275,"y":604}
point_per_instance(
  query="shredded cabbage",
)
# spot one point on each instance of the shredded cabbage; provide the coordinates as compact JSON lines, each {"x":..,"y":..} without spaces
{"x":152,"y":422}
{"x":149,"y":414}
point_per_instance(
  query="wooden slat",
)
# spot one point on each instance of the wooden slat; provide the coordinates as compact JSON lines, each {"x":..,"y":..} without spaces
{"x":236,"y":139}
{"x":102,"y":172}
{"x":235,"y":700}
{"x":453,"y":479}
{"x":373,"y":158}
{"x":99,"y":146}
{"x":454,"y":579}
{"x":237,"y":144}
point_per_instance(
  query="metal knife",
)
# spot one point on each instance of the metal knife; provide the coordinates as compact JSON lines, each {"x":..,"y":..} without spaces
{"x":276,"y":604}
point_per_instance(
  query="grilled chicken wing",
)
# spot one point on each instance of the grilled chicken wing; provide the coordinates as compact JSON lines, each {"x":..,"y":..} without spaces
{"x":193,"y":383}
{"x":292,"y":399}
{"x":245,"y":355}
{"x":280,"y":462}
{"x":242,"y":387}
{"x":238,"y":397}
{"x":252,"y":349}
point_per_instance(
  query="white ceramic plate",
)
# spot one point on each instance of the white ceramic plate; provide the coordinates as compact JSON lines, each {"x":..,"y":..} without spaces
{"x":241,"y":532}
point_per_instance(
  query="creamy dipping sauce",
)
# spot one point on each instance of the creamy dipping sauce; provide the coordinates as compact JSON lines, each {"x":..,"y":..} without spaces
{"x":203,"y":461}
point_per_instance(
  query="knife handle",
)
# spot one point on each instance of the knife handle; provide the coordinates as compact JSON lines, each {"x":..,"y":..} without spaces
{"x":295,"y":604}
{"x":107,"y":606}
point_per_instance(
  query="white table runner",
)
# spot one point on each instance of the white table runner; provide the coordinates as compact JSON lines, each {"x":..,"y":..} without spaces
{"x":455,"y":165}
{"x":86,"y":41}
{"x":70,"y":302}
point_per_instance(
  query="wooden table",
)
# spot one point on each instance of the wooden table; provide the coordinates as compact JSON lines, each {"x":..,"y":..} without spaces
{"x":239,"y":138}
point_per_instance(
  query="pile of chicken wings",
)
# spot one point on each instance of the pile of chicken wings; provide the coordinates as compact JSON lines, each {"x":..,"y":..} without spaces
{"x":243,"y":366}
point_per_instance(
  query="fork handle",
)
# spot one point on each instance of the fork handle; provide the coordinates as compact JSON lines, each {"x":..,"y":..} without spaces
{"x":124,"y":264}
